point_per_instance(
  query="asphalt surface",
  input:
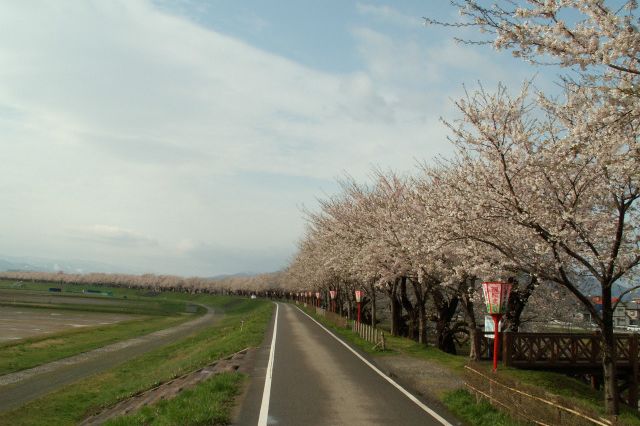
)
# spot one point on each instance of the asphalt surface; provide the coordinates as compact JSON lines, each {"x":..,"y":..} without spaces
{"x":27,"y":385}
{"x":316,"y":380}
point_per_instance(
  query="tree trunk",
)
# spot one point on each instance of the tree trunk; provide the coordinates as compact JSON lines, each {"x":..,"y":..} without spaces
{"x":396,"y":310}
{"x":411,"y":310}
{"x":518,"y":301}
{"x":373,"y":307}
{"x":372,"y":297}
{"x":611,"y":395}
{"x":446,"y":309}
{"x":422,"y":324}
{"x":470,"y":317}
{"x":422,"y":313}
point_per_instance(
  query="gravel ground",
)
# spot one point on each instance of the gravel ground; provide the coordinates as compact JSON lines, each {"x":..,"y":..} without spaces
{"x":425,"y":377}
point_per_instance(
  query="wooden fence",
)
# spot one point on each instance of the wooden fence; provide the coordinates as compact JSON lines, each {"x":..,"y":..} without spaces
{"x":579,"y":353}
{"x":370,"y":334}
{"x":530,"y":405}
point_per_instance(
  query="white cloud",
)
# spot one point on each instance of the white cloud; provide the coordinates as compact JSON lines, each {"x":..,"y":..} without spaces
{"x":119,"y":113}
{"x":389,"y":14}
{"x":112,"y":235}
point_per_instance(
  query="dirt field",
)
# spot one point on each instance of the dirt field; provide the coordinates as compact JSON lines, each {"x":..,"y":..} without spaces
{"x":9,"y":296}
{"x":19,"y":323}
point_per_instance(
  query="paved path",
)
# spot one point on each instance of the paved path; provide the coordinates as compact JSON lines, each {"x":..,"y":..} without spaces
{"x":317,"y":380}
{"x":23,"y":386}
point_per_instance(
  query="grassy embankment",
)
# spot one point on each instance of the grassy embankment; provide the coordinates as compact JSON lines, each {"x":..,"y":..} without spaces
{"x":79,"y":400}
{"x":209,"y":403}
{"x":153,"y":314}
{"x":464,"y":404}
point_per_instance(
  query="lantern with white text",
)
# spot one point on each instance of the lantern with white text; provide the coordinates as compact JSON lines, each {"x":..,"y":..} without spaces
{"x":496,"y":297}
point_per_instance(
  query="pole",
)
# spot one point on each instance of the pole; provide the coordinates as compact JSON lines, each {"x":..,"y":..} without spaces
{"x":358,"y":312}
{"x":496,"y":335}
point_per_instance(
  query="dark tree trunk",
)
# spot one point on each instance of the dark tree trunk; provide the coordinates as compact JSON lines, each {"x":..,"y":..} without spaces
{"x":611,"y":395}
{"x":374,"y":319}
{"x":421,"y":310}
{"x":446,"y":310}
{"x":412,"y":326}
{"x":470,"y":317}
{"x":394,"y":306}
{"x":518,"y":301}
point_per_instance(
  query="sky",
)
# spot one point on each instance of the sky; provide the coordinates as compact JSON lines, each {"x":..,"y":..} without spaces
{"x":185,"y":137}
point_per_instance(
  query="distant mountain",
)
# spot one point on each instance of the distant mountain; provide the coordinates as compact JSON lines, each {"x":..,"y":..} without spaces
{"x":6,"y":265}
{"x":239,"y":274}
{"x":35,"y":264}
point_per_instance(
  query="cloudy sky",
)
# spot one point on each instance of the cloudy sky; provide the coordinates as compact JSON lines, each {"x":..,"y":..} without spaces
{"x":184,"y":136}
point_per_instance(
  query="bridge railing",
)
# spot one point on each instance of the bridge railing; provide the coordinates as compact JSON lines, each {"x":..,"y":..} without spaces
{"x":558,"y":349}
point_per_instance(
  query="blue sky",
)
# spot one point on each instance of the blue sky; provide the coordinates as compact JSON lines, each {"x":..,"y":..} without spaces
{"x":184,"y":136}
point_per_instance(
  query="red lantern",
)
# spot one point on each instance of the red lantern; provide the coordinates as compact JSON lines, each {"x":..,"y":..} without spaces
{"x":358,"y":300}
{"x":332,"y":294}
{"x":496,"y":296}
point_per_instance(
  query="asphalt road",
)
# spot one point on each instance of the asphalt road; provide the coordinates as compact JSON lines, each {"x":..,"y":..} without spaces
{"x":317,"y":380}
{"x":19,"y":388}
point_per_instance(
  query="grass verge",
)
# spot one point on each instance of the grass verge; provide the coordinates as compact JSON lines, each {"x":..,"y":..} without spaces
{"x":473,"y":412}
{"x":208,"y":403}
{"x":73,"y":403}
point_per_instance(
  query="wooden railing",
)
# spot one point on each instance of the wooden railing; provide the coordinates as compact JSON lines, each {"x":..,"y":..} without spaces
{"x":559,"y":349}
{"x":573,"y":353}
{"x":370,"y":334}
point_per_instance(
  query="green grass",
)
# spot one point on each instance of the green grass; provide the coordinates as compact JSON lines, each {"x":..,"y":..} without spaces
{"x":149,"y":306}
{"x":209,"y":403}
{"x":572,"y":390}
{"x":476,"y":413}
{"x":75,"y":402}
{"x":118,"y":292}
{"x":31,"y":352}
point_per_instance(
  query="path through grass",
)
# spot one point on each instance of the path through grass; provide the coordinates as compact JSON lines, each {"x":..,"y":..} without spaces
{"x":89,"y":396}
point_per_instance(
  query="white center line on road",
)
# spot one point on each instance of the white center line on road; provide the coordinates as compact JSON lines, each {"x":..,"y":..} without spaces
{"x":387,"y":378}
{"x":266,"y":393}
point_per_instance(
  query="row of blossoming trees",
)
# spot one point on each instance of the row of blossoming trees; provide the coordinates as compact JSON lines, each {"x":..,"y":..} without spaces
{"x":540,"y":189}
{"x":231,"y":285}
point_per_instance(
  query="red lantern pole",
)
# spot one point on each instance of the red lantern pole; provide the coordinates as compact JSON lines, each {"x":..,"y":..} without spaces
{"x":332,"y":294}
{"x":496,"y":296}
{"x":496,"y":337}
{"x":358,"y":300}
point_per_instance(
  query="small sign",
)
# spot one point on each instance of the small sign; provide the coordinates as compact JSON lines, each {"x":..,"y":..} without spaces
{"x":488,"y":326}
